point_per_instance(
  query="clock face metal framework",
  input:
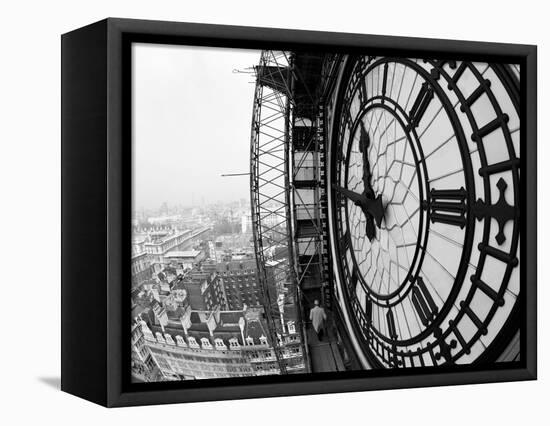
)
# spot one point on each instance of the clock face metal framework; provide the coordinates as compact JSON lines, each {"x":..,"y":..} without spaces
{"x":424,"y":200}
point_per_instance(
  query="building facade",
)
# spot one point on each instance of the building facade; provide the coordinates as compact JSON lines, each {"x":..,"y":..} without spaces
{"x":212,"y":344}
{"x":140,"y":269}
{"x":240,"y":279}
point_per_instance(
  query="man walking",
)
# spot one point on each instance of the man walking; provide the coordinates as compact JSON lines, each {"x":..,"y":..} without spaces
{"x":317,"y":317}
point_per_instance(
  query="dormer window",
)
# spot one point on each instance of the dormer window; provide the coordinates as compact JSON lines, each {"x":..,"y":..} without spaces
{"x":205,"y":343}
{"x":250,"y":341}
{"x":192,"y":342}
{"x":180,"y":341}
{"x":159,"y":337}
{"x":233,"y":343}
{"x":220,"y":344}
{"x":263,"y":340}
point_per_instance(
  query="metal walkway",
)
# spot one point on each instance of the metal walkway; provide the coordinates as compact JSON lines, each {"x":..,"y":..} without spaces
{"x":324,"y":355}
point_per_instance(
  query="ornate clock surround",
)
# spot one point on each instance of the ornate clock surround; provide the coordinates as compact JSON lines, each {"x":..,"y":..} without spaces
{"x":441,"y":348}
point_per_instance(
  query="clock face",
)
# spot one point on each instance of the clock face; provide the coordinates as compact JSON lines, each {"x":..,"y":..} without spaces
{"x":424,"y":193}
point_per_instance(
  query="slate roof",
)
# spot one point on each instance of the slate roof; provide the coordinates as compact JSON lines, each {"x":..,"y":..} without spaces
{"x":230,"y":317}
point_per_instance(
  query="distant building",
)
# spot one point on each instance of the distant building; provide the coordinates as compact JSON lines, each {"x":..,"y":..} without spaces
{"x":205,"y":290}
{"x":246,"y":223}
{"x":165,"y":220}
{"x":157,"y":248}
{"x":211,"y":251}
{"x":181,"y":260}
{"x":138,"y":244}
{"x":140,"y":268}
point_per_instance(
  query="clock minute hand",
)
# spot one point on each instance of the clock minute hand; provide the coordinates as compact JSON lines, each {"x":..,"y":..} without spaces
{"x":356,"y":197}
{"x":373,"y":208}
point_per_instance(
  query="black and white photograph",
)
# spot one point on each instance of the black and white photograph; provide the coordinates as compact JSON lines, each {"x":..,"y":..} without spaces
{"x":300,"y":212}
{"x":292,"y":212}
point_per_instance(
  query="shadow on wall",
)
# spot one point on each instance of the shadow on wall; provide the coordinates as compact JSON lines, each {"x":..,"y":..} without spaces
{"x":54,"y":382}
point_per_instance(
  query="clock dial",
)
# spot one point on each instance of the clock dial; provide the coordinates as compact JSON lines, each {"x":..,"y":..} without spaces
{"x":424,"y":166}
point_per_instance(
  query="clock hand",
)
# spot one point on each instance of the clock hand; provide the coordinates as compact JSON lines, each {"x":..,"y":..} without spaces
{"x":360,"y":200}
{"x":376,"y":209}
{"x":370,"y":228}
{"x":356,"y":197}
{"x":371,"y":207}
{"x":364,"y":143}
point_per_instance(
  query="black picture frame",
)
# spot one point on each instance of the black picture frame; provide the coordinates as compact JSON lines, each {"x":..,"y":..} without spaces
{"x":96,"y":178}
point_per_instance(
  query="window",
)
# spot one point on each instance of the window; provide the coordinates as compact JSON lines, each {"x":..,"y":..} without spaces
{"x":220,"y":344}
{"x":291,"y":327}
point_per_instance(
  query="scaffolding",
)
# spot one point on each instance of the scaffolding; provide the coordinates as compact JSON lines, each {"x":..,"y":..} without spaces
{"x":287,"y":188}
{"x":308,"y":198}
{"x":269,"y":183}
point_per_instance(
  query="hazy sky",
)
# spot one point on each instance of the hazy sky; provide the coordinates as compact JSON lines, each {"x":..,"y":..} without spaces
{"x":191,"y":123}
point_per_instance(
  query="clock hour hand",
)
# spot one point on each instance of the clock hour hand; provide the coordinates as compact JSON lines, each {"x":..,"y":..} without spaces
{"x":370,"y":228}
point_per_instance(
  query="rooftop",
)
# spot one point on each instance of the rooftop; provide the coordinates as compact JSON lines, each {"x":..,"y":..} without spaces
{"x":183,"y":253}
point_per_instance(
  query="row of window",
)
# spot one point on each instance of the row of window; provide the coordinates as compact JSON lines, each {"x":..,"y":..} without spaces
{"x":189,"y":357}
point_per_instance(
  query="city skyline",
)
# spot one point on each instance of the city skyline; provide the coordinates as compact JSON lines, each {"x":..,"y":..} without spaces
{"x":156,"y":209}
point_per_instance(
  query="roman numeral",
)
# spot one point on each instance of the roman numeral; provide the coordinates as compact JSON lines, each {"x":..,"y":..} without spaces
{"x":362,"y":89}
{"x":391,"y":325}
{"x":385,"y":79}
{"x":447,"y":206}
{"x":423,"y":302}
{"x":354,"y":278}
{"x":420,"y":105}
